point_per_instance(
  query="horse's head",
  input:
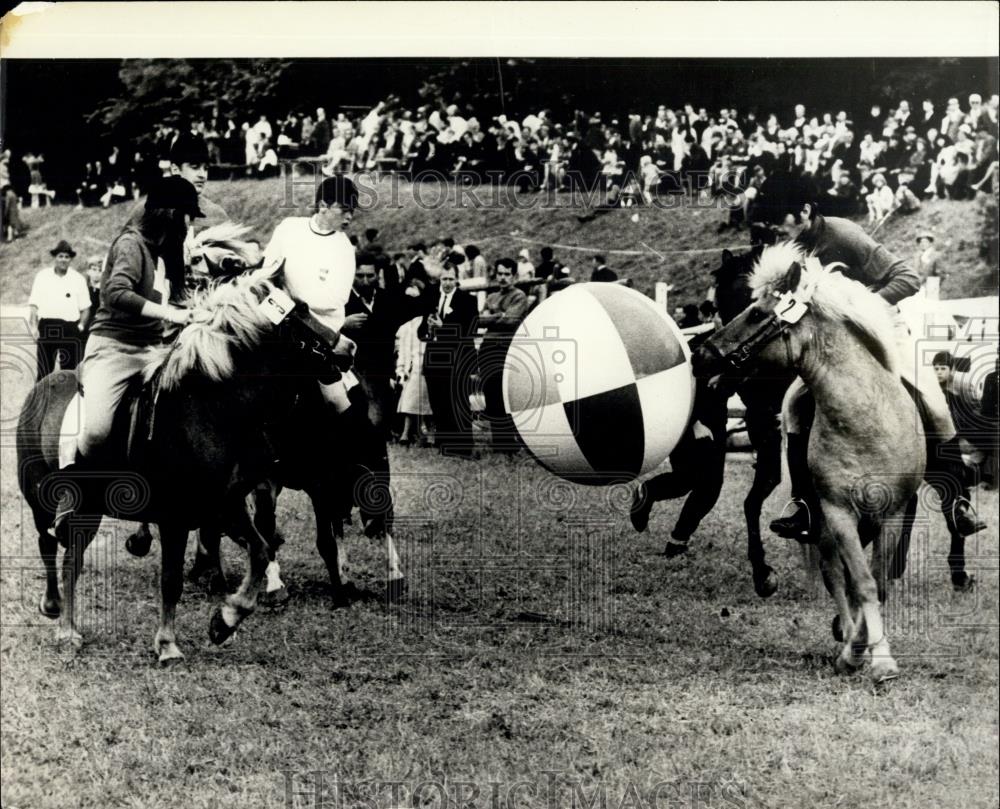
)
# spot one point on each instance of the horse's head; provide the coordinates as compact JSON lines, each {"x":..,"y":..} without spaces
{"x":315,"y":349}
{"x":778,"y":294}
{"x":250,"y":326}
{"x":220,"y":252}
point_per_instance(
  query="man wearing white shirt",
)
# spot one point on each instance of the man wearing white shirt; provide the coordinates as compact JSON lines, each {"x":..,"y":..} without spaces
{"x":59,"y":306}
{"x":318,"y":260}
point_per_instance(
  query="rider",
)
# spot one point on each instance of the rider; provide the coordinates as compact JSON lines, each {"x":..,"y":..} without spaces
{"x":319,"y":267}
{"x":789,"y":206}
{"x":319,"y":261}
{"x":143,"y":272}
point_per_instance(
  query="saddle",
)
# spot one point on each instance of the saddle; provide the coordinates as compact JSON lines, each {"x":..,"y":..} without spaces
{"x":132,"y":429}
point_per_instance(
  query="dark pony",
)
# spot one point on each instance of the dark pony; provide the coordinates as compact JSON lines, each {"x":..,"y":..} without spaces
{"x":219,"y":389}
{"x":762,"y":395}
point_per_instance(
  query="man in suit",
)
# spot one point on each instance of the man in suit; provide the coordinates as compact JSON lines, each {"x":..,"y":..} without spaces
{"x":602,"y":272}
{"x":449,"y":329}
{"x":373,"y":316}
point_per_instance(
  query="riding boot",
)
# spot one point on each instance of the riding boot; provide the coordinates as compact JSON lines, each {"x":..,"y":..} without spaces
{"x":947,"y":473}
{"x":797,"y":524}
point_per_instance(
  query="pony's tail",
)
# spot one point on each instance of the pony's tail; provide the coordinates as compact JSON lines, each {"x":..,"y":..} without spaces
{"x":199,"y":346}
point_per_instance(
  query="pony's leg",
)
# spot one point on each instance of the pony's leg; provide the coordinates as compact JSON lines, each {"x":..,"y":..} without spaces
{"x":139,"y":541}
{"x":329,"y":532}
{"x":396,"y":585}
{"x":897,"y":567}
{"x":766,"y":478}
{"x":961,"y":581}
{"x":48,"y":548}
{"x":240,"y":604}
{"x":266,"y":504}
{"x":842,"y":525}
{"x":173,"y":543}
{"x":80,"y":531}
{"x":832,"y":568}
{"x":208,"y":559}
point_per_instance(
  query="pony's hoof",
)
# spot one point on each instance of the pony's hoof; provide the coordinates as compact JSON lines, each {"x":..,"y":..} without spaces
{"x":767,"y":585}
{"x":837,"y":629}
{"x":884,"y":669}
{"x":169,"y":654}
{"x":395,"y":589}
{"x":218,"y":630}
{"x":50,"y":607}
{"x":70,"y":640}
{"x":138,"y":544}
{"x":963,"y":583}
{"x":275,"y":598}
{"x":845,"y":663}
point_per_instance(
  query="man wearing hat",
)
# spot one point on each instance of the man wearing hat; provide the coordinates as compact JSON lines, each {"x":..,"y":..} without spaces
{"x":143,"y":272}
{"x":58,"y":306}
{"x":189,"y":159}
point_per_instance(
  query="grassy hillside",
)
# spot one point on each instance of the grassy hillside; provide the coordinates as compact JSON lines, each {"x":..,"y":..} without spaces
{"x":654,"y":245}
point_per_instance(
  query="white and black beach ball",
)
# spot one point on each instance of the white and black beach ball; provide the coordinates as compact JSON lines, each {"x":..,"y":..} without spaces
{"x":598,"y":382}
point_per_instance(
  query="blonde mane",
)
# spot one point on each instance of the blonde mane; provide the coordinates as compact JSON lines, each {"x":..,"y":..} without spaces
{"x":835,"y":298}
{"x":226,"y":239}
{"x":226,"y":317}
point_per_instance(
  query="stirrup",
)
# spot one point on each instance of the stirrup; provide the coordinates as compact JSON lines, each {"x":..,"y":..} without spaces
{"x":967,"y":521}
{"x":790,"y":527}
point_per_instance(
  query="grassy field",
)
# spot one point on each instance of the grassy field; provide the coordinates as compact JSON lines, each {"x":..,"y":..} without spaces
{"x":544,"y":656}
{"x":679,"y":245}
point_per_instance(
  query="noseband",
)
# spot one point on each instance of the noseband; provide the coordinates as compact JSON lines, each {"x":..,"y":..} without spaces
{"x":789,"y":310}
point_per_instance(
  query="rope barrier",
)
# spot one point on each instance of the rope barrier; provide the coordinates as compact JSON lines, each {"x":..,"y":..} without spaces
{"x":609,"y":251}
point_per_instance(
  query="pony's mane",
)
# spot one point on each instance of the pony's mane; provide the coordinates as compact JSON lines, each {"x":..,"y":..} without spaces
{"x":227,"y":317}
{"x":226,"y":239}
{"x":835,"y":297}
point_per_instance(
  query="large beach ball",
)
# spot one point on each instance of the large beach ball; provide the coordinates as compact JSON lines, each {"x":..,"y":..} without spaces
{"x":598,"y":382}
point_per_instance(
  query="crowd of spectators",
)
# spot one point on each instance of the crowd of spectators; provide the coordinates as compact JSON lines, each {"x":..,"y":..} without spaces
{"x":875,"y":163}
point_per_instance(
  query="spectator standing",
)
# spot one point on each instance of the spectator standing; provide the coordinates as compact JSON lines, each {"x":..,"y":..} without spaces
{"x":95,"y":265}
{"x":601,"y":271}
{"x":321,"y":133}
{"x":414,"y":402}
{"x":13,"y":227}
{"x":525,"y":269}
{"x":504,"y":311}
{"x":449,"y":330}
{"x":373,"y":315}
{"x":59,"y":309}
{"x":928,"y":265}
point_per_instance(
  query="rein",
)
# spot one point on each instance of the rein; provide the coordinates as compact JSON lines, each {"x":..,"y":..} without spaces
{"x":790,"y":309}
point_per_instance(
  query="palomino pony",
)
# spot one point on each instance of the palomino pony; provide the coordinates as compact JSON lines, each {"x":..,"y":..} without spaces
{"x":866,"y":461}
{"x":219,"y":389}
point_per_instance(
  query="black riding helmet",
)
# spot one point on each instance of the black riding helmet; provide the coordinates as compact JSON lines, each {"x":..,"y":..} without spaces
{"x":783,"y":194}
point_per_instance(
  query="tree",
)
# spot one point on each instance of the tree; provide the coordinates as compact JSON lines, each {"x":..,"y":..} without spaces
{"x":180,"y":90}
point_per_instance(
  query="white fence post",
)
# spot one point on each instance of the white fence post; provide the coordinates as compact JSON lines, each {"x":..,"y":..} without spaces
{"x":662,"y":288}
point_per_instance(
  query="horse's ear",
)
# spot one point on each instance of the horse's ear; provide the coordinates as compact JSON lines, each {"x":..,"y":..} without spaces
{"x":794,"y":277}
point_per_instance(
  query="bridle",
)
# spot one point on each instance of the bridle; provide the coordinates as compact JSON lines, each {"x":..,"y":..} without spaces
{"x":789,"y":310}
{"x":290,"y":319}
